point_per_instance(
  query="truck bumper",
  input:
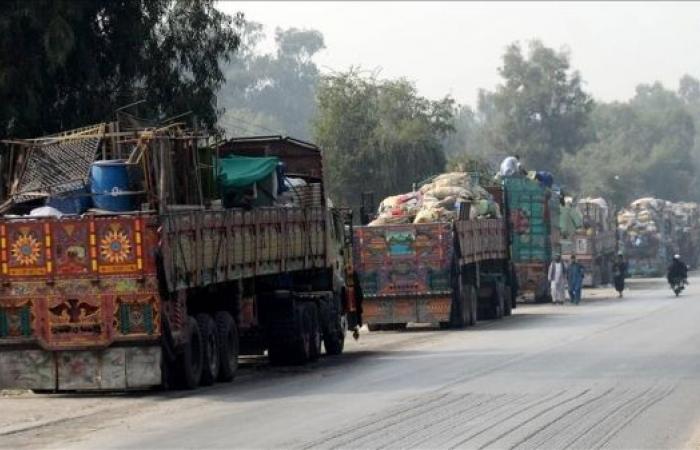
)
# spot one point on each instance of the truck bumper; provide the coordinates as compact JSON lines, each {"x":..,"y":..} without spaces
{"x":114,"y":368}
{"x":404,"y":310}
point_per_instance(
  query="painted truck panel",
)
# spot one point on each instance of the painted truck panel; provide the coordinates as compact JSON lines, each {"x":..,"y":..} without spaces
{"x":406,"y":271}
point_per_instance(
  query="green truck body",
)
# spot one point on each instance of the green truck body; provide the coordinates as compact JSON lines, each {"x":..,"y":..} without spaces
{"x":533,"y":219}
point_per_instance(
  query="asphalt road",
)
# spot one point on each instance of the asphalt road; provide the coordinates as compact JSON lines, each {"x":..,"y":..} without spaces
{"x":609,"y":373}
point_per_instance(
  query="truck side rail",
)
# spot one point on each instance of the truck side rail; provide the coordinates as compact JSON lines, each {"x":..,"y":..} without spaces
{"x":481,"y":239}
{"x":213,"y":246}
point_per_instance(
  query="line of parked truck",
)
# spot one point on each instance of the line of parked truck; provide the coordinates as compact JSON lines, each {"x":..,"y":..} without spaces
{"x":134,"y":257}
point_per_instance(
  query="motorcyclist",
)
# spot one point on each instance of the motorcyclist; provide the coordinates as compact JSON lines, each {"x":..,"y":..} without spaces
{"x":677,"y":271}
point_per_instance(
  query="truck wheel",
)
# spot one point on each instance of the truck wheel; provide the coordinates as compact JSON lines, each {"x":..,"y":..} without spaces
{"x":314,"y":331}
{"x":301,"y":347}
{"x":457,"y":310}
{"x":189,"y":363}
{"x":507,"y":301}
{"x":334,"y":340}
{"x":293,"y":345}
{"x":472,"y":304}
{"x":228,"y":345}
{"x":498,"y":306}
{"x":210,"y":349}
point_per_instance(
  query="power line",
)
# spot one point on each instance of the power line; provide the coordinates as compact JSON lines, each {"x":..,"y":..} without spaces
{"x":261,"y":127}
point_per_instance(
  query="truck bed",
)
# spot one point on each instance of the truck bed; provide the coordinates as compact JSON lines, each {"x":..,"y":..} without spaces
{"x":213,"y":246}
{"x":406,"y":271}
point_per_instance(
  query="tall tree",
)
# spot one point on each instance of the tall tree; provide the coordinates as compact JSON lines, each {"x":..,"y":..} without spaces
{"x":65,"y":64}
{"x":540,"y":111}
{"x":273,"y":92}
{"x":641,"y":148}
{"x":378,"y":135}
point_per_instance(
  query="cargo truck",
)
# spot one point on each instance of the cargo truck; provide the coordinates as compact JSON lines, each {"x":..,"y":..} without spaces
{"x":533,"y":233}
{"x":165,"y":279}
{"x":646,"y":235}
{"x":593,"y":243}
{"x":450,"y":273}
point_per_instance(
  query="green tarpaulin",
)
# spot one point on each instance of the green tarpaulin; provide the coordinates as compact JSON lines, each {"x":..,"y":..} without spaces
{"x":236,"y":172}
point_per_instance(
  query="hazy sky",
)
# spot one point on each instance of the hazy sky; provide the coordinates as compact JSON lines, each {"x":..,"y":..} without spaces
{"x":455,"y":48}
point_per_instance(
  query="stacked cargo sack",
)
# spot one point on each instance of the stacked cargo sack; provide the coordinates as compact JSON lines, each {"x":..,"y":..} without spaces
{"x":438,"y":200}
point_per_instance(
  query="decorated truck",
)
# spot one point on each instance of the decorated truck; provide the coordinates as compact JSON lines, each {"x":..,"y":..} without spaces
{"x":447,"y":272}
{"x":133,"y":258}
{"x":533,"y":226}
{"x":592,"y":240}
{"x":646,"y":235}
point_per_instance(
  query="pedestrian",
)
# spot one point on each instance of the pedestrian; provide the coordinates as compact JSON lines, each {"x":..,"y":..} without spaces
{"x":619,"y":274}
{"x":557,"y":280}
{"x":575,"y":273}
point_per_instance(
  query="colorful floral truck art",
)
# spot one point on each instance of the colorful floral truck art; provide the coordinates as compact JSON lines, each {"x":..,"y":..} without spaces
{"x":173,"y":289}
{"x":447,"y":273}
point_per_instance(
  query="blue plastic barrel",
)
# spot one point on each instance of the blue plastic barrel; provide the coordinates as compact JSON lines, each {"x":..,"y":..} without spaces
{"x":109,"y":180}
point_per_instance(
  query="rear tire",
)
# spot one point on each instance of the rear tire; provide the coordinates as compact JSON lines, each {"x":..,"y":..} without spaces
{"x":498,"y":300}
{"x":292,"y":346}
{"x":507,"y":301}
{"x":189,"y":363}
{"x":210,"y":349}
{"x":315,"y":331}
{"x":458,"y":311}
{"x":334,"y":337}
{"x":227,"y":332}
{"x":473,"y":305}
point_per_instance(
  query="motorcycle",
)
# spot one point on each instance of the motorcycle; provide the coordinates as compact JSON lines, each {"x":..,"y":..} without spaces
{"x":678,"y":284}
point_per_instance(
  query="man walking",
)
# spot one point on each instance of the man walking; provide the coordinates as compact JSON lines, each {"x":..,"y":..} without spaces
{"x":557,"y":280}
{"x":575,"y":277}
{"x":619,"y":274}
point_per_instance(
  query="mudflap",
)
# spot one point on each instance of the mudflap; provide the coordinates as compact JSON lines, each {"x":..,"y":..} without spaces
{"x":116,"y":368}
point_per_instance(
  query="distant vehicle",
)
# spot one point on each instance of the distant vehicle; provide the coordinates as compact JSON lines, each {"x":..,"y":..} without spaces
{"x":451,"y":273}
{"x":593,"y":243}
{"x":533,"y":226}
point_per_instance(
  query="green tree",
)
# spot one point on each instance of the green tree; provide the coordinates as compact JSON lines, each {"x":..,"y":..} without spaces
{"x":66,"y":64}
{"x":273,"y":93}
{"x":641,"y":148}
{"x":540,"y":111}
{"x":378,"y":135}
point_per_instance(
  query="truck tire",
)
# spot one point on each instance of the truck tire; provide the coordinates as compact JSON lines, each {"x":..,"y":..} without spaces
{"x":291,"y":346}
{"x":189,"y":362}
{"x":311,"y":311}
{"x":334,"y":340}
{"x":375,"y":327}
{"x":459,"y":309}
{"x":473,"y":306}
{"x":499,"y":301}
{"x":210,"y":349}
{"x":507,"y":301}
{"x":227,"y":331}
{"x":542,"y":294}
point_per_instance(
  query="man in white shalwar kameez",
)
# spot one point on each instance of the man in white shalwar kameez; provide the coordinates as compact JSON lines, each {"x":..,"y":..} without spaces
{"x":557,"y":280}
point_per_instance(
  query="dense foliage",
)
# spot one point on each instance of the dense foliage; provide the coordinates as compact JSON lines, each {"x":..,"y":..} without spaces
{"x":272,"y":92}
{"x":378,"y":135}
{"x":65,"y":64}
